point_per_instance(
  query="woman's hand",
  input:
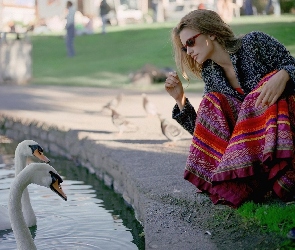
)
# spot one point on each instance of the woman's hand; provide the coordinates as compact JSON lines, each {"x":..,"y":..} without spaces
{"x":272,"y":89}
{"x":174,"y":87}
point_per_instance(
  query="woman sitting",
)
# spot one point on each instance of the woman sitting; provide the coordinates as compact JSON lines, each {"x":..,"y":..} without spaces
{"x":243,"y":130}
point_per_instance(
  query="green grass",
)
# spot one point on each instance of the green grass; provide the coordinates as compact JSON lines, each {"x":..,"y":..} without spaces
{"x":107,"y":60}
{"x":102,"y":60}
{"x":272,"y":217}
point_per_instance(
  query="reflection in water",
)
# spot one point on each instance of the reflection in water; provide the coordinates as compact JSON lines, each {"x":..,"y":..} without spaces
{"x":94,"y":217}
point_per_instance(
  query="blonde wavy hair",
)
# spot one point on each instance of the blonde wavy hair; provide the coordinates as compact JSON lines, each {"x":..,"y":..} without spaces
{"x":206,"y":22}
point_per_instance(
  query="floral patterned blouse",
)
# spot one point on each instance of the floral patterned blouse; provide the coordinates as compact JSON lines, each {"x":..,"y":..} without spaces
{"x":259,"y":55}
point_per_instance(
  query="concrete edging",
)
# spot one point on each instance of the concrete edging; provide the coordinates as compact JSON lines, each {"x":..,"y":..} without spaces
{"x":67,"y":143}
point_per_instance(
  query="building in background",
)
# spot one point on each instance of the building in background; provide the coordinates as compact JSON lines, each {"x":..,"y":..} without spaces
{"x":16,"y":14}
{"x":51,"y":13}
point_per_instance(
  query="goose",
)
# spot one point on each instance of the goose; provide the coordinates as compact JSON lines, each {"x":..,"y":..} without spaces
{"x":23,"y":150}
{"x":38,"y":173}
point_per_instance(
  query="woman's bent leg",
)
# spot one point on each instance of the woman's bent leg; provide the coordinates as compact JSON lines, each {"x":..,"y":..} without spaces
{"x":239,"y":152}
{"x":216,"y":118}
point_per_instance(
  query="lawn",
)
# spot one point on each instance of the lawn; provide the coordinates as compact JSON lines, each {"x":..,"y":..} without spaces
{"x":107,"y":60}
{"x":102,"y":60}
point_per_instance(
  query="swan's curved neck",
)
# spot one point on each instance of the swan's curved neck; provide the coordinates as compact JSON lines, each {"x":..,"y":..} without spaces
{"x":21,"y":232}
{"x":20,"y":162}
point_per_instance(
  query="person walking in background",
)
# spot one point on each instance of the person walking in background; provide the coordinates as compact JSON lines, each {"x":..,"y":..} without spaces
{"x":275,"y":5}
{"x":155,"y":10}
{"x":70,"y":28}
{"x":248,"y":7}
{"x":104,"y":10}
{"x":242,"y":147}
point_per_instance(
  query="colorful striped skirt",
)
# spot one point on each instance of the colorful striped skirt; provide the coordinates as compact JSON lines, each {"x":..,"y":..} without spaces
{"x":239,"y":152}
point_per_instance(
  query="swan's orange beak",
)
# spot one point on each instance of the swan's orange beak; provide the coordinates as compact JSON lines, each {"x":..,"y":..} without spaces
{"x":56,"y":187}
{"x":41,"y":156}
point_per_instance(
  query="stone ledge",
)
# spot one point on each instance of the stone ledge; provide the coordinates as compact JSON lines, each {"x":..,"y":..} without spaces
{"x":66,"y":143}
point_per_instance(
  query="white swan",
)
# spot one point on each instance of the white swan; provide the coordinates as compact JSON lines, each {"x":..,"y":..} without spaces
{"x":24,"y":150}
{"x":38,"y":173}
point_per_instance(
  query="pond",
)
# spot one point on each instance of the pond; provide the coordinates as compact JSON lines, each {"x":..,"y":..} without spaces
{"x":93,"y":217}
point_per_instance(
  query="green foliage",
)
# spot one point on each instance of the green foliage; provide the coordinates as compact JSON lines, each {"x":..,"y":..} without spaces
{"x":272,"y":217}
{"x":287,"y":5}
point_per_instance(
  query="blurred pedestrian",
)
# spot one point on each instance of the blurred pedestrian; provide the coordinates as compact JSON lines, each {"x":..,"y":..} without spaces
{"x":273,"y":6}
{"x":248,"y":8}
{"x":104,"y":10}
{"x":70,"y":28}
{"x":155,"y":10}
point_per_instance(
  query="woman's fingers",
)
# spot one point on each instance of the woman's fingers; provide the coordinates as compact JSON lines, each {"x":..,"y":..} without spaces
{"x":173,"y":86}
{"x":271,"y":90}
{"x":171,"y":81}
{"x":259,"y":100}
{"x":266,"y":99}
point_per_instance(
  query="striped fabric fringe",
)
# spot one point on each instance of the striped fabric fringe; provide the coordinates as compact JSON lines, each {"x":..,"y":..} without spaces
{"x":239,"y":152}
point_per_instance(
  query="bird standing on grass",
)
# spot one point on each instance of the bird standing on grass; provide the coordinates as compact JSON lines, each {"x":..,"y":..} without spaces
{"x":149,"y":107}
{"x":121,"y":123}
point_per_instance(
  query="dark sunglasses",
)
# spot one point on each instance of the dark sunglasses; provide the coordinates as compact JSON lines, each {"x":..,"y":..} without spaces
{"x":190,"y":42}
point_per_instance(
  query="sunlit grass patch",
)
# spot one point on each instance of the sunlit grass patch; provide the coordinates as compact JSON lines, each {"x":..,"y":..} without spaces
{"x":275,"y":217}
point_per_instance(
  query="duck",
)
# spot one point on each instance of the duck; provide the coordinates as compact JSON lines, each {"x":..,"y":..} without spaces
{"x":41,"y":174}
{"x":24,"y":149}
